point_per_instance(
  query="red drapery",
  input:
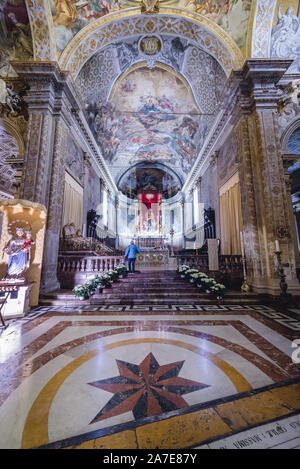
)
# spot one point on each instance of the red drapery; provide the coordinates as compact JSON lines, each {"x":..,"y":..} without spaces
{"x":149,"y":212}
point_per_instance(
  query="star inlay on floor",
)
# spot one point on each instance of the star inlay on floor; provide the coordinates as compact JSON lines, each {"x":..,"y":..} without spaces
{"x":145,"y":389}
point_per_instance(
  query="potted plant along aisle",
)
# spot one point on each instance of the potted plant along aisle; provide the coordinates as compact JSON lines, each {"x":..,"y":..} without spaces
{"x":218,"y":290}
{"x":113,"y":274}
{"x":122,"y":270}
{"x":106,"y":281}
{"x":81,"y":292}
{"x":181,"y":270}
{"x":189,"y":274}
{"x":208,"y":283}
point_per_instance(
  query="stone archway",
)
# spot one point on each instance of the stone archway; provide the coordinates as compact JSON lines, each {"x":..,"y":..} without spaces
{"x":127,"y":23}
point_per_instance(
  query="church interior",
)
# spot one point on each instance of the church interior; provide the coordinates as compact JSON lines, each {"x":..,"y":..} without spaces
{"x":171,"y":128}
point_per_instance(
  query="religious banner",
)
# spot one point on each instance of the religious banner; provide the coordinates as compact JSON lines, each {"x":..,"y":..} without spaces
{"x":149,"y":211}
{"x":21,"y":245}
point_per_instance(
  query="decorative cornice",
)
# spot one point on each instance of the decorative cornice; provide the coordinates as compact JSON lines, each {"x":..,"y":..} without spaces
{"x":55,"y":91}
{"x":254,"y":86}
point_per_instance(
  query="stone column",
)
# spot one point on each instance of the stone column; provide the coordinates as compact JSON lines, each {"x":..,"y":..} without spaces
{"x":85,"y":178}
{"x":38,"y":152}
{"x":288,"y":161}
{"x":49,"y":280}
{"x":263,"y":190}
{"x":116,"y":222}
{"x":50,"y":98}
{"x":182,"y":203}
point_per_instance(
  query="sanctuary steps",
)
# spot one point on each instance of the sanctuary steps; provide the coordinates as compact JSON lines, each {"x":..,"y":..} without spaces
{"x":149,"y":288}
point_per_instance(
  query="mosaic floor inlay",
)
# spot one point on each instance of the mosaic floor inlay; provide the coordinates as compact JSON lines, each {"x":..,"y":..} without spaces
{"x":167,"y":376}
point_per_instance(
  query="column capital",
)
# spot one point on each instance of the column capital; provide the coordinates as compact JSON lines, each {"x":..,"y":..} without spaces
{"x":48,"y":85}
{"x":259,"y":81}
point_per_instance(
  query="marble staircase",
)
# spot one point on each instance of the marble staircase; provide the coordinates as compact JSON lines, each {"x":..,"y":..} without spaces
{"x":149,"y":288}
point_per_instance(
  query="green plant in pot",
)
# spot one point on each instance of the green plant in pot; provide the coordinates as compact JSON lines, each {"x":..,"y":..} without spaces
{"x":181,"y":270}
{"x":198,"y":279}
{"x":113,"y":274}
{"x":208,"y":283}
{"x":81,"y":292}
{"x":106,"y":280}
{"x":188,"y":273}
{"x":122,"y":270}
{"x":218,"y":289}
{"x":98,"y":283}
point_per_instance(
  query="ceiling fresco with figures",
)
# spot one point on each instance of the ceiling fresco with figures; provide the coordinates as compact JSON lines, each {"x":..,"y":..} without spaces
{"x":15,"y":34}
{"x":149,"y":177}
{"x":69,"y":17}
{"x":285,"y":36}
{"x":157,"y":112}
{"x":151,"y":117}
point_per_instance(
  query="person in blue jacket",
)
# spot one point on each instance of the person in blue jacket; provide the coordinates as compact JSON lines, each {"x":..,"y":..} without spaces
{"x":130,"y":254}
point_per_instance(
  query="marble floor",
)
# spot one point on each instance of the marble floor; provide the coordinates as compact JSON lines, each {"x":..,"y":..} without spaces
{"x":151,"y":377}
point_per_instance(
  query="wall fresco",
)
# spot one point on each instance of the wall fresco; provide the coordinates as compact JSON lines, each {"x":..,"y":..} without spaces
{"x":74,"y":159}
{"x":69,"y":17}
{"x":15,"y":35}
{"x":285,"y":37}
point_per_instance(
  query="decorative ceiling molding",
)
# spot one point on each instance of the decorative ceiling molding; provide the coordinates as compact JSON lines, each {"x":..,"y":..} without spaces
{"x":127,"y":23}
{"x":262,"y":28}
{"x":198,"y":70}
{"x":42,"y":31}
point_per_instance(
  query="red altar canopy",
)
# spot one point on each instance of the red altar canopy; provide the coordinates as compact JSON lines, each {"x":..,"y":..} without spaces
{"x":149,"y":210}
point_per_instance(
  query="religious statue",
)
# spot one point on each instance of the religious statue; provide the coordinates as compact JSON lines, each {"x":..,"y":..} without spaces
{"x":285,"y":36}
{"x":18,"y":249}
{"x":150,"y":6}
{"x":15,"y":105}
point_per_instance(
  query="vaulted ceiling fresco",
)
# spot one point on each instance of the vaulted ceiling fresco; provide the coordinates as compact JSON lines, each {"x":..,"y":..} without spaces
{"x":151,"y":116}
{"x":149,"y":177}
{"x":70,"y":17}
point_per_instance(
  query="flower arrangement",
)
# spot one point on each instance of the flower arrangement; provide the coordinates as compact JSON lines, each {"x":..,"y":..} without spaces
{"x":106,"y":280}
{"x":81,"y":292}
{"x":189,"y":272}
{"x":182,"y":268}
{"x":198,"y":276}
{"x":113,"y":274}
{"x":203,"y":281}
{"x":218,"y":289}
{"x":92,"y":285}
{"x":208,"y":283}
{"x":121,"y":269}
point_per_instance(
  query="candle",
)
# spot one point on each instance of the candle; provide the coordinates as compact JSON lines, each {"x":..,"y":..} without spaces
{"x":242,"y":244}
{"x":277,"y":248}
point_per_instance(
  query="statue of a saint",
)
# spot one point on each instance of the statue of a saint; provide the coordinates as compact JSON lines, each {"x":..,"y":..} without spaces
{"x":18,"y":248}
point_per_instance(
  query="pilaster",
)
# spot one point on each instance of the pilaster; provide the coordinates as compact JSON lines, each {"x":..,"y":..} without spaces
{"x":265,"y":199}
{"x":50,"y":98}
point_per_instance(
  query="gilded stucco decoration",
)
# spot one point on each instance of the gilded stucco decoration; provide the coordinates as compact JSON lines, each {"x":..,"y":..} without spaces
{"x":262,"y":25}
{"x":42,"y":29}
{"x":115,"y":27}
{"x":9,"y":149}
{"x":288,"y":109}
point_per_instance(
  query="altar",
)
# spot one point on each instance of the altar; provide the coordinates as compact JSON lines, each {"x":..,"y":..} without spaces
{"x":155,"y":259}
